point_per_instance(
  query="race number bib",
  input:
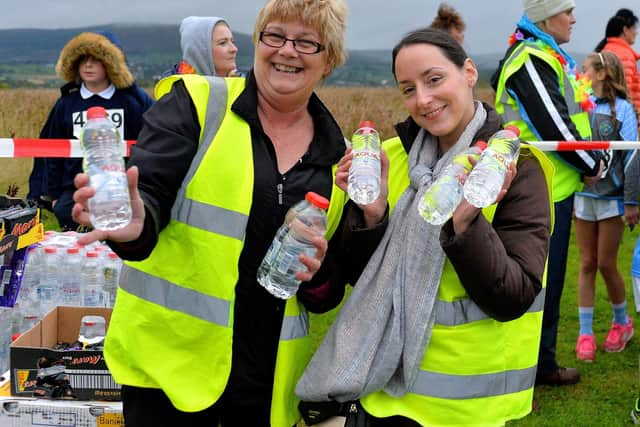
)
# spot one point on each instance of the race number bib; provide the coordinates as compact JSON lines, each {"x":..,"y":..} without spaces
{"x":116,"y":115}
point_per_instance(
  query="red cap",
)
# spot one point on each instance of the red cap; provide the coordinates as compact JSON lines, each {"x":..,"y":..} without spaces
{"x":317,"y":200}
{"x":73,"y":250}
{"x":92,"y":254}
{"x":481,"y":145}
{"x":367,"y":124}
{"x":96,"y":113}
{"x":514,"y":129}
{"x":50,"y":249}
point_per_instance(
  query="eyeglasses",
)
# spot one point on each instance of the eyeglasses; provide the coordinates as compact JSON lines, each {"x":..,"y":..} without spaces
{"x":307,"y":47}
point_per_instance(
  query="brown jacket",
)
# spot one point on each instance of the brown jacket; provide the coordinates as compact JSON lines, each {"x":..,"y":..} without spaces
{"x":500,"y":264}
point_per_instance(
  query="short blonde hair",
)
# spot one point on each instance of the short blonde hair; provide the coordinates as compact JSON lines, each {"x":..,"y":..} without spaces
{"x":327,"y":17}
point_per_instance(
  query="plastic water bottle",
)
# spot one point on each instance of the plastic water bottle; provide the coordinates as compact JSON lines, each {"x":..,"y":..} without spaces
{"x":443,"y":197}
{"x":278,"y":268}
{"x":49,"y":286}
{"x":92,"y":330}
{"x":92,"y":281}
{"x":5,"y":337}
{"x":364,"y":175}
{"x":71,"y":288}
{"x":110,"y":207}
{"x":111,"y":270}
{"x":487,"y":177}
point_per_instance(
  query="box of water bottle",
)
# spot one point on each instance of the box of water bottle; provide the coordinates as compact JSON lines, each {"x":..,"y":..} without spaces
{"x":53,"y":360}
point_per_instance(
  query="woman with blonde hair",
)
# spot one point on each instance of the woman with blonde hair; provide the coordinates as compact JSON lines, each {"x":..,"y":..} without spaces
{"x":193,"y":338}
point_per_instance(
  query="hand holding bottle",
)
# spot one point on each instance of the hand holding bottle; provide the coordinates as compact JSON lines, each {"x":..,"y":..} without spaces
{"x":465,"y":214}
{"x":81,"y":214}
{"x":374,"y":211}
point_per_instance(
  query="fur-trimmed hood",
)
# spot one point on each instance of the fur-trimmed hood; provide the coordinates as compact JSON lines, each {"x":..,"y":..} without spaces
{"x":101,"y":48}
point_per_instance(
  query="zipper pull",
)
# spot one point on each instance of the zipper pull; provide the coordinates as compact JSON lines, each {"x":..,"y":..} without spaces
{"x":279,"y":189}
{"x":353,"y":409}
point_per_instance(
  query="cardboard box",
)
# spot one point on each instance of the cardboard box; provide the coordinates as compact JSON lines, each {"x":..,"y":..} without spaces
{"x":23,"y":412}
{"x":87,"y":371}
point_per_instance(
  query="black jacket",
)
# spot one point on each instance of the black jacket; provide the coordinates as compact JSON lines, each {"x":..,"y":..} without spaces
{"x":534,"y":100}
{"x":163,"y":154}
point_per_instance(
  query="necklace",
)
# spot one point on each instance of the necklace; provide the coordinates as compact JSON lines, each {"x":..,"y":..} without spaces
{"x":580,"y":82}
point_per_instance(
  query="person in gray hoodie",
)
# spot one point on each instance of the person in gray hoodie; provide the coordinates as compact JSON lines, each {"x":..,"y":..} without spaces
{"x":207,"y":46}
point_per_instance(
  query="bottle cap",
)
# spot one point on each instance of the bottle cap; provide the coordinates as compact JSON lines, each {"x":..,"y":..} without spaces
{"x":96,"y":112}
{"x":50,"y":249}
{"x":514,"y":129}
{"x":92,"y":254}
{"x":74,"y":250}
{"x":367,"y":124}
{"x":317,"y":200}
{"x":481,"y":145}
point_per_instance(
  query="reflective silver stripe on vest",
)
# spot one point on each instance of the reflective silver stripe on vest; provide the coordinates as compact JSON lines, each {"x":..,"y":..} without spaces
{"x":169,"y":295}
{"x":212,"y":218}
{"x":455,"y":313}
{"x":294,"y":327}
{"x":197,"y":214}
{"x":444,"y":386}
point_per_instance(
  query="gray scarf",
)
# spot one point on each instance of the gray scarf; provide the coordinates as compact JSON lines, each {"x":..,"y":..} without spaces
{"x":379,"y":336}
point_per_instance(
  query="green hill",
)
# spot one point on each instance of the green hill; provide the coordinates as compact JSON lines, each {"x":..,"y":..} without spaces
{"x":28,"y":56}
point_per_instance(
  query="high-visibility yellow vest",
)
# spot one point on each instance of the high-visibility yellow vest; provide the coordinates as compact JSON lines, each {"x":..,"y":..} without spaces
{"x":172,"y":324}
{"x":567,"y":180}
{"x":476,"y":371}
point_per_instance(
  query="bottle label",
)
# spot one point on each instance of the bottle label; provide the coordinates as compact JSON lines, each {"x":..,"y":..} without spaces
{"x":115,"y":115}
{"x":500,"y":158}
{"x":273,"y":251}
{"x":288,"y":258}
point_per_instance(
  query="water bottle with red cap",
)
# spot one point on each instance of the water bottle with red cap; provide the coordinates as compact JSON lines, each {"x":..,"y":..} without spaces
{"x":304,"y":221}
{"x":110,"y":207}
{"x":486,"y":179}
{"x":363,"y":185}
{"x":445,"y":194}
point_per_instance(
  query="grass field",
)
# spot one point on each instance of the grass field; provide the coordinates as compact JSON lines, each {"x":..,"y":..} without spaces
{"x":604,"y":396}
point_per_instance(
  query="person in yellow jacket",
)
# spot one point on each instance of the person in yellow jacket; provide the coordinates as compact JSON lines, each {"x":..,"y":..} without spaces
{"x":193,"y":338}
{"x":443,"y":326}
{"x":539,"y":90}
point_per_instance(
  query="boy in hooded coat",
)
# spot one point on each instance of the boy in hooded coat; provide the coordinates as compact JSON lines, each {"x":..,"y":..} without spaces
{"x":96,"y":74}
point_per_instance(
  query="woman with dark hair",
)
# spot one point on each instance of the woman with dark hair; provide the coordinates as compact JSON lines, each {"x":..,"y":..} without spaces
{"x":620,"y":35}
{"x":427,"y":337}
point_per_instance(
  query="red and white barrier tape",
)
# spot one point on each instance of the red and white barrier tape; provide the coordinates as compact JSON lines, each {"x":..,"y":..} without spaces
{"x":34,"y":147}
{"x":585,"y":145}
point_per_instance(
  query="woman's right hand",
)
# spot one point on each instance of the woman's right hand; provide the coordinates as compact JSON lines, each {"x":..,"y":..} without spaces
{"x":373,"y":212}
{"x":80,"y":211}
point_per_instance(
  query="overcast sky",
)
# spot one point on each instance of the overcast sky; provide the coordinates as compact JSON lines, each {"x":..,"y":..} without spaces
{"x":372,"y":24}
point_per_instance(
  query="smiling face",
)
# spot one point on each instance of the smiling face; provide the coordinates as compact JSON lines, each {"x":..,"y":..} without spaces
{"x":437,"y":93}
{"x":284,"y":75}
{"x":223,"y":49}
{"x":559,"y":26}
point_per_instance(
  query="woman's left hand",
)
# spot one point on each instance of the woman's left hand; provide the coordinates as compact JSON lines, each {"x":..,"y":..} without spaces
{"x":465,"y":213}
{"x":313,"y":263}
